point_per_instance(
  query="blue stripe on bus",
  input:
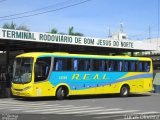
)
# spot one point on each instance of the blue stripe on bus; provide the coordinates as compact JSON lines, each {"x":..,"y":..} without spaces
{"x":137,"y":77}
{"x":79,"y":84}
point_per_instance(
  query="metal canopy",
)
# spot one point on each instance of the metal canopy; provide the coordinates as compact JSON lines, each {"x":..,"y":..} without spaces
{"x":30,"y":46}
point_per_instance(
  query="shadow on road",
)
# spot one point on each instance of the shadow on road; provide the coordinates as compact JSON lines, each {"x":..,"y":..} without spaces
{"x":81,"y":97}
{"x":105,"y":96}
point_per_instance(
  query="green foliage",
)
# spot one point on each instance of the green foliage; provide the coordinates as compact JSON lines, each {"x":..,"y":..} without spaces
{"x":71,"y":32}
{"x":13,"y":26}
{"x":22,"y":27}
{"x":54,"y":31}
{"x":9,"y":25}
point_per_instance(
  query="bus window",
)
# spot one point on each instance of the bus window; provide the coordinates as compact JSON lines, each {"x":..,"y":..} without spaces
{"x":62,"y":64}
{"x":102,"y":65}
{"x":58,"y":65}
{"x":99,"y":65}
{"x":86,"y":64}
{"x":133,"y":66}
{"x":120,"y":66}
{"x":95,"y":64}
{"x":75,"y":65}
{"x":146,"y":66}
{"x":81,"y":64}
{"x":106,"y":65}
{"x":126,"y":66}
{"x":111,"y":65}
{"x":42,"y":68}
{"x":140,"y":66}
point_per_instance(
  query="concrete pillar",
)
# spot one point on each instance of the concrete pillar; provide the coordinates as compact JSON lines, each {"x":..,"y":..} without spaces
{"x":8,"y":79}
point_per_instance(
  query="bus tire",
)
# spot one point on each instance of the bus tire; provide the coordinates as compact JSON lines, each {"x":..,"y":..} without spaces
{"x":125,"y":91}
{"x":61,"y":93}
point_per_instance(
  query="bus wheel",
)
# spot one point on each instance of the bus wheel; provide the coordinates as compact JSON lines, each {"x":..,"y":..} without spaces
{"x":124,"y":92}
{"x":61,"y":93}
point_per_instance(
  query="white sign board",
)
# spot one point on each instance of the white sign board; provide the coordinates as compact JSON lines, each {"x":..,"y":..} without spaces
{"x":73,"y":40}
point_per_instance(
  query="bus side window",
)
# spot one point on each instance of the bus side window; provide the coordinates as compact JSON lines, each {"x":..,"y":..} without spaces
{"x":99,"y":65}
{"x":106,"y":65}
{"x":126,"y":66}
{"x":95,"y":65}
{"x":42,"y":68}
{"x":87,"y":64}
{"x":62,"y":64}
{"x":133,"y":66}
{"x":81,"y":64}
{"x":58,"y":65}
{"x":110,"y":66}
{"x":75,"y":65}
{"x":146,"y":66}
{"x":140,"y":68}
{"x":120,"y":66}
{"x":102,"y":65}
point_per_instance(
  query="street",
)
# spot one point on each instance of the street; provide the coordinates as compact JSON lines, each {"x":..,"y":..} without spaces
{"x":102,"y":107}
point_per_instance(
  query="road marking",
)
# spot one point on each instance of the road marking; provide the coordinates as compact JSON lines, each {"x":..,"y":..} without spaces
{"x":14,"y":103}
{"x":24,"y":105}
{"x":48,"y":108}
{"x":151,"y":112}
{"x":111,"y":116}
{"x":21,"y":107}
{"x":29,"y":109}
{"x":87,"y":112}
{"x":41,"y":108}
{"x":117,"y":112}
{"x":75,"y":111}
{"x":62,"y":108}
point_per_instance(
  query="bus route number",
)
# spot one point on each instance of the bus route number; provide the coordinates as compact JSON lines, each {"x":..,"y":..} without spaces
{"x":63,"y":77}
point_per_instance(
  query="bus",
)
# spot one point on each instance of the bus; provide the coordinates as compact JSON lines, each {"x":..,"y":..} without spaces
{"x":60,"y":74}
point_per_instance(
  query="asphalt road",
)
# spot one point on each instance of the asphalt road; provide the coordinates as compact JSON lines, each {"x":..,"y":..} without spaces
{"x":102,"y":107}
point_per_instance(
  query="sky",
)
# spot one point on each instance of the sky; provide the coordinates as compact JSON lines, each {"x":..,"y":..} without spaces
{"x":93,"y":18}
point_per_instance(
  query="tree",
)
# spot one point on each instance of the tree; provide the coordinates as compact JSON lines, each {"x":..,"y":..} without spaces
{"x":78,"y":34}
{"x":54,"y":31}
{"x":22,"y":27}
{"x":9,"y":25}
{"x":13,"y":26}
{"x":71,"y":32}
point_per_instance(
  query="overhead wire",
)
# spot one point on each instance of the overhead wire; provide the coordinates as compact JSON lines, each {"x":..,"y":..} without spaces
{"x":2,"y":0}
{"x":35,"y":10}
{"x":48,"y":11}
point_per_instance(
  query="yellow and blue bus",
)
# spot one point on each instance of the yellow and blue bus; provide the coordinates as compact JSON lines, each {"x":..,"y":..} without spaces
{"x":59,"y":74}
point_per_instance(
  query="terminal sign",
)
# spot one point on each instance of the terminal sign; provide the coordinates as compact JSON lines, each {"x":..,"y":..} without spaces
{"x":65,"y":39}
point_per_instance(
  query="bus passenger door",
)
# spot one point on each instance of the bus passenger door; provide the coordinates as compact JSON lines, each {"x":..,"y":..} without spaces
{"x":42,"y":69}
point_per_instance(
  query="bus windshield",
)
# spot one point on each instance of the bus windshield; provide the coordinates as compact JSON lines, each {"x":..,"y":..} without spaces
{"x":22,"y":72}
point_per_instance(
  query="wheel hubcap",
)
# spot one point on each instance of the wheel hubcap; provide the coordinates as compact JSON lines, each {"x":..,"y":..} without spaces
{"x":125,"y":91}
{"x":62,"y":92}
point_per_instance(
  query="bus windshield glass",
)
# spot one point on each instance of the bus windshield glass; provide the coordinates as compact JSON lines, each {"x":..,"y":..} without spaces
{"x":22,"y":72}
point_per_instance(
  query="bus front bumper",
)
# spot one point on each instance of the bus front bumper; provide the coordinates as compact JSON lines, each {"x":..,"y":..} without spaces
{"x":22,"y":93}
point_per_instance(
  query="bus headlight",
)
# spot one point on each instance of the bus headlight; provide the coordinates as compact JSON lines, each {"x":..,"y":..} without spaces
{"x":26,"y":88}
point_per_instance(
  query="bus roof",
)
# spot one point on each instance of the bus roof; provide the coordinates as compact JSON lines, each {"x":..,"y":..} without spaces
{"x":65,"y":54}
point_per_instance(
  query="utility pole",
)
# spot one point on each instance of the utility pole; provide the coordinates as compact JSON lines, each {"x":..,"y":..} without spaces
{"x":121,"y":27}
{"x":109,"y":32}
{"x":149,"y":33}
{"x":158,"y":25}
